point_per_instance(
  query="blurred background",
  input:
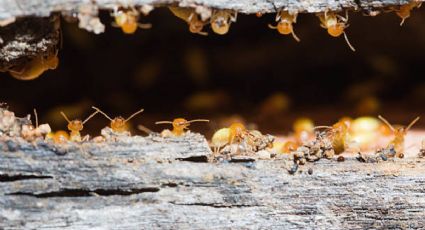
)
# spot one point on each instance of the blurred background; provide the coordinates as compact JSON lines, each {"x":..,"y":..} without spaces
{"x":252,"y":74}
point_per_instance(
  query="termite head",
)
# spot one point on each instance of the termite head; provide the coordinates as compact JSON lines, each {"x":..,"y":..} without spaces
{"x":399,"y":130}
{"x":237,"y":130}
{"x":284,"y":27}
{"x":127,"y":21}
{"x":340,"y":126}
{"x":77,"y":125}
{"x":180,"y":123}
{"x":336,"y":29}
{"x":220,"y":21}
{"x":220,"y":25}
{"x":196,"y":26}
{"x":118,"y":124}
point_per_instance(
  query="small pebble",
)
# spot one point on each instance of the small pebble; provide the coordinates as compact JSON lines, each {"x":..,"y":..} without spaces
{"x":310,"y":171}
{"x":340,"y":159}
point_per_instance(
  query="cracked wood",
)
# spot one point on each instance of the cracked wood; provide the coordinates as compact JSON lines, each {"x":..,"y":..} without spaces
{"x":161,"y":183}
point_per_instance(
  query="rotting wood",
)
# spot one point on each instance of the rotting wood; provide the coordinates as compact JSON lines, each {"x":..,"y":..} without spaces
{"x":123,"y":186}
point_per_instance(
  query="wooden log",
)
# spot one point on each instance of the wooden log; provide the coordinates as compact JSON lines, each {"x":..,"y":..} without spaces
{"x":157,"y":182}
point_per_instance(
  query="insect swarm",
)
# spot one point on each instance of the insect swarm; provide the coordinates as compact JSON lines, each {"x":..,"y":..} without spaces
{"x":127,"y":20}
{"x":118,"y":124}
{"x":399,"y":133}
{"x":196,"y":25}
{"x":404,"y":11}
{"x":285,"y":24}
{"x":75,"y":126}
{"x":335,"y":25}
{"x":179,"y":126}
{"x":221,"y":20}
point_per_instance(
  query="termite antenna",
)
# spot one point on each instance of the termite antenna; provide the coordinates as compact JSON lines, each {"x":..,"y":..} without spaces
{"x":144,"y":129}
{"x":322,"y":127}
{"x":64,"y":116}
{"x":163,"y":122}
{"x":348,"y":42}
{"x":295,"y":36}
{"x":386,"y":122}
{"x":88,"y":118}
{"x":402,"y":21}
{"x":198,"y":120}
{"x":101,"y":112}
{"x":272,"y":26}
{"x":134,"y":114}
{"x":36,"y":118}
{"x":144,"y":26}
{"x":412,"y":123}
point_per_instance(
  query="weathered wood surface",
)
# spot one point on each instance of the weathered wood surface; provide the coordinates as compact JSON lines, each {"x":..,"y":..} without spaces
{"x":145,"y":183}
{"x":19,"y":8}
{"x":27,"y":38}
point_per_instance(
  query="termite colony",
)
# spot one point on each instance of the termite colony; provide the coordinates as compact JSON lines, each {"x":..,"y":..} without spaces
{"x":308,"y":142}
{"x":127,"y":18}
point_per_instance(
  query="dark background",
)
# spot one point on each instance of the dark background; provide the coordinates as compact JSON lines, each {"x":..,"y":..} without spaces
{"x":162,"y":68}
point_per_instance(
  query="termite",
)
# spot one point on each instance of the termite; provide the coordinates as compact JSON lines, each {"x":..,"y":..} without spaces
{"x":285,"y":24}
{"x":76,"y":125}
{"x":118,"y":124}
{"x":237,"y":132}
{"x":30,"y":132}
{"x":59,"y":136}
{"x":289,"y":147}
{"x":404,"y":11}
{"x":221,"y":20}
{"x":338,"y":134}
{"x":303,"y":130}
{"x":335,"y":25}
{"x":180,"y":125}
{"x":220,"y":138}
{"x":127,"y":20}
{"x":189,"y":15}
{"x":399,"y":133}
{"x":35,"y":67}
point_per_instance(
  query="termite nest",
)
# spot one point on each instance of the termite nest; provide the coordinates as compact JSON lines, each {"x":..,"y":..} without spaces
{"x":128,"y":19}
